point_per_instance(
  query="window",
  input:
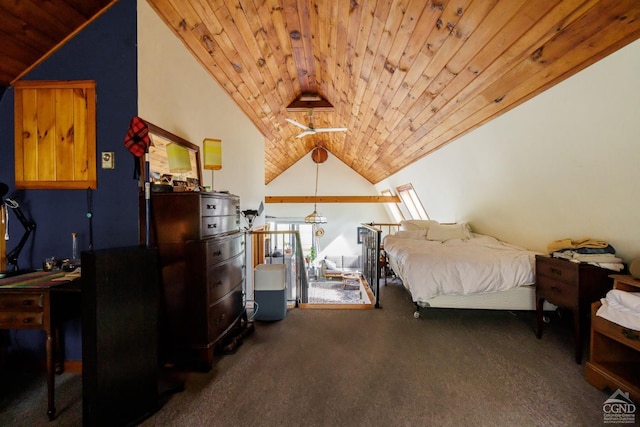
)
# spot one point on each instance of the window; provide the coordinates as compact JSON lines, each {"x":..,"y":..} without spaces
{"x":393,"y":207}
{"x":412,"y":202}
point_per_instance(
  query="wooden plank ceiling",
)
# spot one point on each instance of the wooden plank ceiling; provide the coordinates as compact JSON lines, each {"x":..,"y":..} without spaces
{"x":404,"y":76}
{"x":30,"y":30}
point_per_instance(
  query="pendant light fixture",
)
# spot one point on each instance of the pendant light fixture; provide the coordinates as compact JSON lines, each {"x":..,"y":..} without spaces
{"x":319,"y":155}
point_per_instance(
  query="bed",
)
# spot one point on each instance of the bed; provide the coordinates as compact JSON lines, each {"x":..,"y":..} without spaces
{"x":449,"y":266}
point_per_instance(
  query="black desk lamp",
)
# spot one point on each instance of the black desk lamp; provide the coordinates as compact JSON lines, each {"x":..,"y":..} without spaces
{"x":251,"y":214}
{"x":29,"y":226}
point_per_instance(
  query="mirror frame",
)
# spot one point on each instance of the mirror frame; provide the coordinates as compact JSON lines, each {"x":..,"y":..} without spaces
{"x":155,"y":130}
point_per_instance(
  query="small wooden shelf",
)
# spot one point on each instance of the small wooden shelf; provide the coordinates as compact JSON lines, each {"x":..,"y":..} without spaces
{"x":614,"y":361}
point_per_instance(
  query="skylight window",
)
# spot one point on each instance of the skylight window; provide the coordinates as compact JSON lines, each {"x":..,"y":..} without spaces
{"x":393,"y":207}
{"x":412,"y":202}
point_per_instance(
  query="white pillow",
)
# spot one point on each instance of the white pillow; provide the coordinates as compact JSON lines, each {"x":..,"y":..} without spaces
{"x":444,"y":232}
{"x":411,"y":234}
{"x":417,"y":224}
{"x":331,"y":265}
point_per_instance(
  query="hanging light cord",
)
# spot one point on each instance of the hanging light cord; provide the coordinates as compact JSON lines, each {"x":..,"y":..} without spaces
{"x":316,"y":193}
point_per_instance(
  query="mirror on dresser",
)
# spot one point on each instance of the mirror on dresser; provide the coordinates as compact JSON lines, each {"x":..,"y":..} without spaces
{"x":173,"y":161}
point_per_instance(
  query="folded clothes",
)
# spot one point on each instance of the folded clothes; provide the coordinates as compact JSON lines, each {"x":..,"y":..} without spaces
{"x":622,"y":308}
{"x":585,"y":242}
{"x":590,"y":258}
{"x":606,"y":250}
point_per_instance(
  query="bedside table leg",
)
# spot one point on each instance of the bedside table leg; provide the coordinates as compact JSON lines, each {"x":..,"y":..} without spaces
{"x":578,"y":336}
{"x":540,"y":315}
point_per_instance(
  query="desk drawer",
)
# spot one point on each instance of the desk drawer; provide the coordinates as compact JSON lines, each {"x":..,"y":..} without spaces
{"x":22,"y":301}
{"x":21,"y":319}
{"x":562,"y":271}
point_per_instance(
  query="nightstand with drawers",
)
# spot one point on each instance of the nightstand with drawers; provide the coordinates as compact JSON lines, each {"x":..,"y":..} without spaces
{"x":572,"y":286}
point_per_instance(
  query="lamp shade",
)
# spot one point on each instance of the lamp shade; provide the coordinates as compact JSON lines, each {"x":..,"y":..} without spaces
{"x":212,"y":153}
{"x":179,"y":159}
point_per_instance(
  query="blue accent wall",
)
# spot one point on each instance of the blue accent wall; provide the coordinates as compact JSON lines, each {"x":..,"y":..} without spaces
{"x":106,"y":52}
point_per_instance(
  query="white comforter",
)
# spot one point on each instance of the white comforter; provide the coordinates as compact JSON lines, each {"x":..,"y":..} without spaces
{"x":478,"y":265}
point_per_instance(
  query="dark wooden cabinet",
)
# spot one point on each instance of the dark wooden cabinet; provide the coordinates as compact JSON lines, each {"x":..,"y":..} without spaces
{"x":573,"y":286}
{"x":119,"y":336}
{"x":202,"y":257}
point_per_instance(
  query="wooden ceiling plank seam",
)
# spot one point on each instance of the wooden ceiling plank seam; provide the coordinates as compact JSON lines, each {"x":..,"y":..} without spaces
{"x":551,"y":74}
{"x":505,"y":70}
{"x":199,"y":12}
{"x":382,"y":73}
{"x":415,"y":60}
{"x":13,"y":30}
{"x":472,"y":15}
{"x":262,"y":27}
{"x":276,"y":24}
{"x":36,"y":16}
{"x":493,"y":65}
{"x":241,"y":37}
{"x":56,"y":44}
{"x":62,"y":11}
{"x":294,"y":39}
{"x":304,"y":15}
{"x":502,"y":61}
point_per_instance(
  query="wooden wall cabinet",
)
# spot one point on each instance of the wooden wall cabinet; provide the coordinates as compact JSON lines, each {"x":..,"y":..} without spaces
{"x":55,"y":134}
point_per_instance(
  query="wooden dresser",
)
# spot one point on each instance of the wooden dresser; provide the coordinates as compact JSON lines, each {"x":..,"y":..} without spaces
{"x":201,"y":249}
{"x":614,"y":360}
{"x":573,"y":286}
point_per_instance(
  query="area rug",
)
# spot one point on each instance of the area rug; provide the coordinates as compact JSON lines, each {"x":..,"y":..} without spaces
{"x":336,"y":292}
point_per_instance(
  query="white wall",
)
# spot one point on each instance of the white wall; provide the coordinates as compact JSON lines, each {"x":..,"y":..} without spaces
{"x":566,"y":164}
{"x":334,"y":179}
{"x":177,"y":94}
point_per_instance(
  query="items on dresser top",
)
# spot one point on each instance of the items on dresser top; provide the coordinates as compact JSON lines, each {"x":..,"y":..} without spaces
{"x":592,"y":251}
{"x":572,"y":286}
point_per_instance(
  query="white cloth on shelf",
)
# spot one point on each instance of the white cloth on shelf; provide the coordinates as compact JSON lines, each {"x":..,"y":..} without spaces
{"x":622,"y":308}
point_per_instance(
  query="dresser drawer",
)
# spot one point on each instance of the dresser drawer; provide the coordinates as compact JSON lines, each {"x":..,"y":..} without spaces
{"x":216,"y":206}
{"x":556,"y":292}
{"x":626,"y":336}
{"x":219,"y":250}
{"x":560,"y":270}
{"x":221,"y":278}
{"x":212,"y":225}
{"x":21,"y":319}
{"x":224,"y":313}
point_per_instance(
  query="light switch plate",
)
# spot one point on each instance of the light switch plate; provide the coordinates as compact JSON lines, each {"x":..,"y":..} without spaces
{"x":108,"y":160}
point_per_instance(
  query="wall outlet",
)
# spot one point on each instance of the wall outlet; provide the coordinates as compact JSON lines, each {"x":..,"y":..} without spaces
{"x":108,"y":160}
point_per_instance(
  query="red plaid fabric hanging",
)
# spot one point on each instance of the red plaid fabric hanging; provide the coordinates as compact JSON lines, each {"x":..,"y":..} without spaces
{"x":137,"y":140}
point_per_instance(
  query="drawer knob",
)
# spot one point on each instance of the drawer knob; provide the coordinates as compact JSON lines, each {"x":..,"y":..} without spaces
{"x":221,"y":318}
{"x":212,"y":225}
{"x":217,"y":253}
{"x":556,"y":271}
{"x":211,"y":207}
{"x":26,"y":320}
{"x":630,"y":334}
{"x":27,"y":302}
{"x":218,"y":283}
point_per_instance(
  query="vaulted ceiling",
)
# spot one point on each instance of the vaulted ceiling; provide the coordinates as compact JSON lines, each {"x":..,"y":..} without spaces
{"x":403,"y":76}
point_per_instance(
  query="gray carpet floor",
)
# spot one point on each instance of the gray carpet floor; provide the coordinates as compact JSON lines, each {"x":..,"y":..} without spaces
{"x":367,"y":368}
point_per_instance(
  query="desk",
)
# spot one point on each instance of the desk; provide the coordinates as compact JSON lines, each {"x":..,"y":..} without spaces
{"x":30,"y":301}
